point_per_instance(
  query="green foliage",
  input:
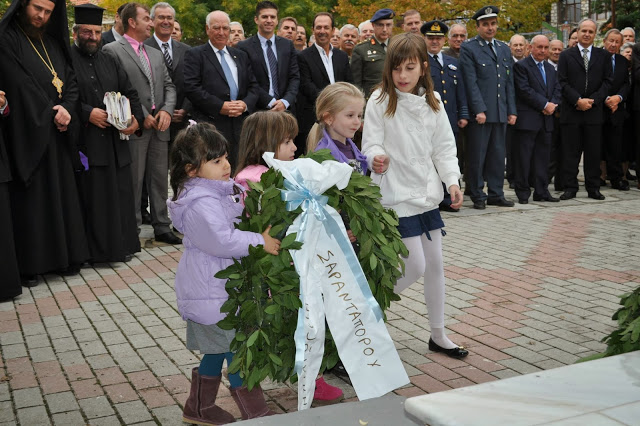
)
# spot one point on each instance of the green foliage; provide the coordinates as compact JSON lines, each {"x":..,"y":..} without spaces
{"x":264,"y":289}
{"x":627,"y":13}
{"x":626,"y":338}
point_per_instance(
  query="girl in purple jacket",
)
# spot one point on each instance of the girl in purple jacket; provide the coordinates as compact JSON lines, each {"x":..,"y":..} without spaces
{"x":204,"y":207}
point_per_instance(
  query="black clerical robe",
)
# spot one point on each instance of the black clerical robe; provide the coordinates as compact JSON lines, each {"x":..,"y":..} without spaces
{"x":45,"y":205}
{"x":9,"y":276}
{"x":107,"y":189}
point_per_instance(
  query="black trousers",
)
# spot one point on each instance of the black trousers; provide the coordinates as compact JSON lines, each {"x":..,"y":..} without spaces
{"x":576,"y":140}
{"x":532,"y":148}
{"x":486,"y":160}
{"x":612,"y":150}
{"x":555,"y":161}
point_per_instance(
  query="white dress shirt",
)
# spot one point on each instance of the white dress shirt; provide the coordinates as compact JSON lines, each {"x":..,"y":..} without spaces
{"x":327,"y":60}
{"x":230,"y":61}
{"x":160,"y":42}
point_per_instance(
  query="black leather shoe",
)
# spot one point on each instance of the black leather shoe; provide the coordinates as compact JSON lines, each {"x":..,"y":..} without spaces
{"x":128,"y":258}
{"x":479,"y":205}
{"x":603,"y":182}
{"x":169,"y":238}
{"x":447,"y":208}
{"x":596,"y":195}
{"x":523,"y":201}
{"x":146,"y":217}
{"x":630,"y":176}
{"x":501,"y":202}
{"x":458,"y":352}
{"x":549,"y":198}
{"x":29,"y":281}
{"x":568,"y":195}
{"x":622,"y":185}
{"x":512,"y":185}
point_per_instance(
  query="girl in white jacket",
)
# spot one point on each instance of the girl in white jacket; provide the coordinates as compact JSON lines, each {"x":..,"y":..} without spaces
{"x":410,"y":148}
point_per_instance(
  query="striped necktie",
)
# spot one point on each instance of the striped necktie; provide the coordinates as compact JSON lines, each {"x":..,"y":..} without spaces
{"x":273,"y":67}
{"x":147,"y":72}
{"x":585,"y":59}
{"x":167,"y":57}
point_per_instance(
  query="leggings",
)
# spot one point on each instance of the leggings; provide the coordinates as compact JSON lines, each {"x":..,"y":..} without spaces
{"x":425,"y":259}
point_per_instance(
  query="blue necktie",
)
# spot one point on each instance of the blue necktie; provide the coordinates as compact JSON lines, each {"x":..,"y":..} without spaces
{"x":613,"y":63}
{"x":233,"y":88}
{"x":541,"y":68}
{"x":273,"y":67}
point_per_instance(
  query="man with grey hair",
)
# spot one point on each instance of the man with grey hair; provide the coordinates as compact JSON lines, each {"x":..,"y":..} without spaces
{"x":365,"y":28}
{"x":348,"y":38}
{"x":584,"y":73}
{"x":518,"y":46}
{"x":457,"y":35}
{"x":236,"y":33}
{"x":287,"y":27}
{"x":219,"y":82}
{"x":628,"y":35}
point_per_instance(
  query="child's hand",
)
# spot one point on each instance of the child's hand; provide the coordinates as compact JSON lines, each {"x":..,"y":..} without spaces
{"x":456,"y":196}
{"x":271,"y":245}
{"x":352,"y":238}
{"x":380,"y":163}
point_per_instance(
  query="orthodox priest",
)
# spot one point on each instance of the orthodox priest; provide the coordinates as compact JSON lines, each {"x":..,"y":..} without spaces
{"x":39,"y":134}
{"x":9,"y":276}
{"x":107,"y":188}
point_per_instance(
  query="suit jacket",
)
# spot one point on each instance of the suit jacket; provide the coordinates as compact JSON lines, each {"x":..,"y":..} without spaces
{"x":635,"y":76}
{"x":206,"y":87}
{"x":288,"y":72}
{"x":619,"y":86}
{"x":177,"y":73}
{"x":314,"y":77}
{"x":107,"y":37}
{"x":488,"y":79}
{"x":164,"y":89}
{"x":532,"y":94}
{"x":447,"y":81}
{"x":367,"y":63}
{"x":572,"y":77}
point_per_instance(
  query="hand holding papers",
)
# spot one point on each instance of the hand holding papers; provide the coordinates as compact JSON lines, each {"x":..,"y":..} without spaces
{"x":119,"y":111}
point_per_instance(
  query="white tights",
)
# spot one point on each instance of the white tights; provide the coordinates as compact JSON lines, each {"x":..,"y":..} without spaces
{"x":425,"y":259}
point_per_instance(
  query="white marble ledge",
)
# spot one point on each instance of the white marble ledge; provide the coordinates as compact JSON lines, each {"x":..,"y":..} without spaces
{"x":602,"y":392}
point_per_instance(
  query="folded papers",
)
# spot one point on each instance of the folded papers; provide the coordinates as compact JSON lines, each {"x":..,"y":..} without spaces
{"x":119,"y":111}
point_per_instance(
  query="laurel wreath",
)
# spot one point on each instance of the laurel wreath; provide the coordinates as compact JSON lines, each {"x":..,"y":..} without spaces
{"x":263,"y":289}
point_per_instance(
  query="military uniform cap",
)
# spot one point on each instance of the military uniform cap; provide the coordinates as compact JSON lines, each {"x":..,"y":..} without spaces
{"x":382,"y":14}
{"x":434,"y":28}
{"x":486,"y":12}
{"x":88,"y":14}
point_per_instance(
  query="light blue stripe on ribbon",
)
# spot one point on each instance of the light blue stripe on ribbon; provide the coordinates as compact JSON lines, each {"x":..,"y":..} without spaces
{"x":296,"y":195}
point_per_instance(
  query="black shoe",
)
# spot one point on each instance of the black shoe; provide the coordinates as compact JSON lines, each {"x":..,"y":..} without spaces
{"x":523,"y":201}
{"x":603,"y":182}
{"x":70,"y":271}
{"x":447,"y":208}
{"x":629,"y":176}
{"x":479,"y":205}
{"x":500,"y":202}
{"x":550,"y":198}
{"x":596,"y":195}
{"x":622,"y":185}
{"x":512,"y":185}
{"x":29,"y":281}
{"x":458,"y":352}
{"x":146,"y":217}
{"x":169,"y":238}
{"x":340,"y":371}
{"x":568,"y":195}
{"x":128,"y":258}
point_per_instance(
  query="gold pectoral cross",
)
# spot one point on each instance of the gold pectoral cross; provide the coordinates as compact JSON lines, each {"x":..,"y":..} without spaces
{"x":57,"y":83}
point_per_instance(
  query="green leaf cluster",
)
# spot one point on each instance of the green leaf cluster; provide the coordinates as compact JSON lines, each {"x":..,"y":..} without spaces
{"x":626,"y":338}
{"x":264,"y":289}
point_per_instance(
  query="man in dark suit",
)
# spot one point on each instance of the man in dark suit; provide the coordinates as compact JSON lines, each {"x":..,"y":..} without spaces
{"x":584,"y":73}
{"x":219,"y":82}
{"x":447,"y":81}
{"x":163,"y":16}
{"x":116,"y":32}
{"x":486,"y":66}
{"x":537,"y":97}
{"x":614,"y":111}
{"x":320,"y":65}
{"x":148,"y":74}
{"x":635,"y":76}
{"x":273,"y":61}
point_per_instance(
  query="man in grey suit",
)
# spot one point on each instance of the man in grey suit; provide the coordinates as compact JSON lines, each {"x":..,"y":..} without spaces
{"x":486,"y":67}
{"x":149,"y":153}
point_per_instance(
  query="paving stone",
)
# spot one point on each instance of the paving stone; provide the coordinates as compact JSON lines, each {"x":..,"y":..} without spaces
{"x":29,"y":397}
{"x":169,"y":416}
{"x":96,"y":407}
{"x":519,"y":366}
{"x":61,"y":402}
{"x":71,"y":418}
{"x":133,"y":412}
{"x":33,"y":416}
{"x":6,"y":412}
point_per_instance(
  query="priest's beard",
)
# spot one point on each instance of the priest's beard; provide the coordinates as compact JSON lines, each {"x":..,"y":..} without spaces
{"x":88,"y":46}
{"x":28,"y":28}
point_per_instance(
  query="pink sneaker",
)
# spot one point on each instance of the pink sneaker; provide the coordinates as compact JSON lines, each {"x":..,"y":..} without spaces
{"x":326,"y":394}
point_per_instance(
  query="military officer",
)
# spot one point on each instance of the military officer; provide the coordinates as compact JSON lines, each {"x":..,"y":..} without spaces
{"x":486,"y":67}
{"x":447,"y":81}
{"x":367,"y":59}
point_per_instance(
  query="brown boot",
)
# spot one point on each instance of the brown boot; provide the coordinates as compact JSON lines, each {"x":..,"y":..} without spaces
{"x":200,"y":407}
{"x":251,"y":404}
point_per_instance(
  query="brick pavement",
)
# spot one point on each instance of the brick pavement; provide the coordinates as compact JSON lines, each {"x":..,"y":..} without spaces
{"x":528,"y":288}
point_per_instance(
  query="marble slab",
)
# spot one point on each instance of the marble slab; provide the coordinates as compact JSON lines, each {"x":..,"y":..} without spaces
{"x":602,"y":392}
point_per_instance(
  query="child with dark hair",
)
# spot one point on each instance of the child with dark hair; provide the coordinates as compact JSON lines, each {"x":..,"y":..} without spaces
{"x":204,"y":207}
